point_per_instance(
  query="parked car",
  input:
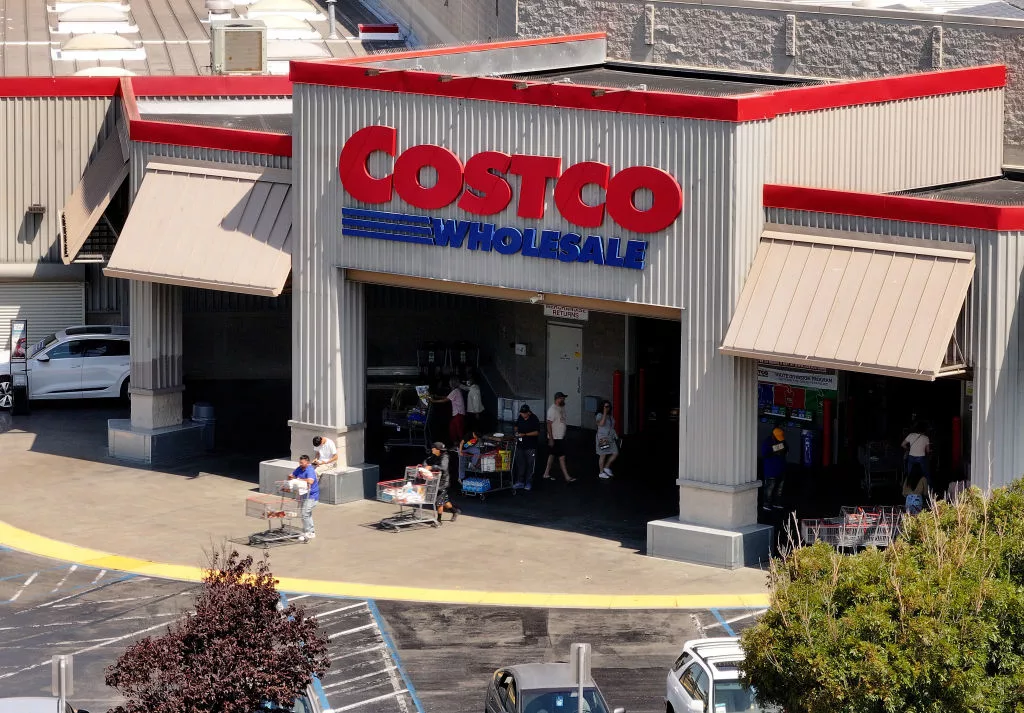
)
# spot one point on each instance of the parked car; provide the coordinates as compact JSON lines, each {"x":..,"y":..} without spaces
{"x":542,"y":688}
{"x":74,"y":363}
{"x":706,"y":679}
{"x":36,"y":705}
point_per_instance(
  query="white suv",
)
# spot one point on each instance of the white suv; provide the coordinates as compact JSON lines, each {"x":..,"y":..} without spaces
{"x":706,"y":679}
{"x":74,"y":363}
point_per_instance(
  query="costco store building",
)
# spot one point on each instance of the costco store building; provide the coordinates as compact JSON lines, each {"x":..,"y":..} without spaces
{"x":776,"y":228}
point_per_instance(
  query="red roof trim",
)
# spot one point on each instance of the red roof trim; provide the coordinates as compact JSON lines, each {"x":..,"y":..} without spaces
{"x":441,"y":51}
{"x":886,"y":89}
{"x":211,"y":137}
{"x":903,"y":208}
{"x":749,"y":107}
{"x":537,"y":93}
{"x":211,"y":86}
{"x":58,"y":86}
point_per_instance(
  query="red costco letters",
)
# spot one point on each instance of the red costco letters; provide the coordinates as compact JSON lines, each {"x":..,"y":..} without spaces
{"x":481,"y":187}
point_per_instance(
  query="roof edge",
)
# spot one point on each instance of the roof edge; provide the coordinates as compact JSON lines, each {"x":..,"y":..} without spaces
{"x":902,"y":208}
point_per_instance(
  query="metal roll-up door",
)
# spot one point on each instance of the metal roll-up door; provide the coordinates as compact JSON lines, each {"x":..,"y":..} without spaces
{"x":48,"y":307}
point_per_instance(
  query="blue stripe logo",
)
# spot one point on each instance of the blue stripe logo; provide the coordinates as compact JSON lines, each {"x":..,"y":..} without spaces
{"x":487,"y":237}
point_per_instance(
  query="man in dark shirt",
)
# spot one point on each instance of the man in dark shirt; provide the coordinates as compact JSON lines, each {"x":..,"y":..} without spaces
{"x":527,"y":429}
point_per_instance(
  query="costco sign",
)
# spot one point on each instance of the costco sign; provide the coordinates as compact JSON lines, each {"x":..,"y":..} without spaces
{"x":481,"y":186}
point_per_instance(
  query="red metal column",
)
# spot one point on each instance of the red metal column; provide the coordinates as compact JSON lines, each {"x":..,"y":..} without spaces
{"x":617,"y":398}
{"x":826,"y":432}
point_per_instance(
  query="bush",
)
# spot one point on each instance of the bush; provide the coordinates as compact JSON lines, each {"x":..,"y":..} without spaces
{"x":236,"y":652}
{"x":933,"y":624}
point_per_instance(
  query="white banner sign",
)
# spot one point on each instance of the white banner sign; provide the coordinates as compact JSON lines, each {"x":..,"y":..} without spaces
{"x":804,"y":379}
{"x":559,"y":312}
{"x":19,"y":339}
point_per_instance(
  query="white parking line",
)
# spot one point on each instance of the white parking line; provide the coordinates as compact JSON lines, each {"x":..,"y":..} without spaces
{"x":364,"y":627}
{"x":65,"y":578}
{"x":108,"y":642}
{"x":301,"y":596}
{"x":741,"y":617}
{"x":357,"y":678}
{"x":357,"y":652}
{"x":99,"y":576}
{"x":336,"y":611}
{"x":368,"y":700}
{"x":106,"y":601}
{"x":23,"y":587}
{"x":88,"y":621}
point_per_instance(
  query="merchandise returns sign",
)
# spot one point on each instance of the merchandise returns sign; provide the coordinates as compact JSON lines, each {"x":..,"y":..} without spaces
{"x":480,"y":186}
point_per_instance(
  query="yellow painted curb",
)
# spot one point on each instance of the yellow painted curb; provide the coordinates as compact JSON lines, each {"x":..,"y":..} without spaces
{"x":24,"y":541}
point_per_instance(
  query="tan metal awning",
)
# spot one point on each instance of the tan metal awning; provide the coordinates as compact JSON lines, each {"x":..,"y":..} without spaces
{"x":201,"y":224}
{"x":838,"y":300}
{"x":83,"y":210}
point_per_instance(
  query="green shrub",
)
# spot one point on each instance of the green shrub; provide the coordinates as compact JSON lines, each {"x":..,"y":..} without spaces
{"x":933,"y":624}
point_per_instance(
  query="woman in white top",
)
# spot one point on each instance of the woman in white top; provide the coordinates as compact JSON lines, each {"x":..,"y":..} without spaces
{"x":474,"y":404}
{"x":918,"y":447}
{"x":607,"y":445}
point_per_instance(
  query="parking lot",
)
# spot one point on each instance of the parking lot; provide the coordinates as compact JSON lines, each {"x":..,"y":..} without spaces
{"x":385,"y":656}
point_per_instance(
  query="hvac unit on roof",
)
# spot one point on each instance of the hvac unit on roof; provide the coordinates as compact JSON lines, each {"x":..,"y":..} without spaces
{"x":239,"y":47}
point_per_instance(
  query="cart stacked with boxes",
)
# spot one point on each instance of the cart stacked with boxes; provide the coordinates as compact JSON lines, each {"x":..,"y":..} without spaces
{"x":490,"y":470}
{"x":415,"y":495}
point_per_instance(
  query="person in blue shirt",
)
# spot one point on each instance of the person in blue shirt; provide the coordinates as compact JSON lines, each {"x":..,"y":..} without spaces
{"x":773,"y":452}
{"x":307,"y":472}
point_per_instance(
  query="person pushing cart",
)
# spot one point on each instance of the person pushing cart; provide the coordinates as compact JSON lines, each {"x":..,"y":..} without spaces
{"x":439,"y":459}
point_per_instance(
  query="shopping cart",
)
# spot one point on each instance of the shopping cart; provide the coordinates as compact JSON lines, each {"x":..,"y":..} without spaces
{"x":856,"y":527}
{"x":284,"y":509}
{"x":416,"y":497}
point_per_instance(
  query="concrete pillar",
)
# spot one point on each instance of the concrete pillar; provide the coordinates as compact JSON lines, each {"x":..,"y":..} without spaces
{"x":156,"y":377}
{"x":329,"y":366}
{"x":156,"y":431}
{"x":717,"y":522}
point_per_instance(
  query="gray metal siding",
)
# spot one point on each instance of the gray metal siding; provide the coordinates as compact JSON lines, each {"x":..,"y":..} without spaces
{"x":156,"y":338}
{"x":892,"y":146}
{"x":698,"y":265}
{"x":699,"y":154}
{"x":48,"y":307}
{"x":102,"y":293}
{"x":141,"y":152}
{"x":47,"y":143}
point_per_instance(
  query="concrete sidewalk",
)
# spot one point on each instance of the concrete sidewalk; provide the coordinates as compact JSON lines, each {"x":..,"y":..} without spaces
{"x":163,"y":517}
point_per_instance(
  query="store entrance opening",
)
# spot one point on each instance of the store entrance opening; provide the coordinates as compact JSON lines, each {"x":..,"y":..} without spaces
{"x":844,"y":435}
{"x":522,"y":353}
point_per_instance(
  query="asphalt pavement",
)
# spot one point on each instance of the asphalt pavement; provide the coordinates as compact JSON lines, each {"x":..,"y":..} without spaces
{"x":386,"y":656}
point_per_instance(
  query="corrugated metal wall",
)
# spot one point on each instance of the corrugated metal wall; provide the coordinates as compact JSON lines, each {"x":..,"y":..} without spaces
{"x":698,"y":153}
{"x":142,"y":152}
{"x":993,"y":339}
{"x":698,"y":265}
{"x":102,"y":293}
{"x":156,"y":335}
{"x":893,"y":146}
{"x":48,"y":307}
{"x":47,"y":142}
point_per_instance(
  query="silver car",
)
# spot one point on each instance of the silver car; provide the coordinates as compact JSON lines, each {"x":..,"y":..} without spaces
{"x":542,"y":688}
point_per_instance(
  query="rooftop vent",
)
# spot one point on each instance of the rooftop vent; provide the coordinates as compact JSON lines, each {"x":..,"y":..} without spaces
{"x":239,"y":47}
{"x":99,"y":46}
{"x":101,"y":19}
{"x":286,"y":27}
{"x":104,"y":72}
{"x":65,"y":5}
{"x":300,"y":9}
{"x":282,"y":51}
{"x":219,"y":9}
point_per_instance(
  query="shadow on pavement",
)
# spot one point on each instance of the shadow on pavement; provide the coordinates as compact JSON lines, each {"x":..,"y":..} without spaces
{"x":78,"y":429}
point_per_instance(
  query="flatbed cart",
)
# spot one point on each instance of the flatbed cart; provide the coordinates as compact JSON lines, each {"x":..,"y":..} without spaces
{"x":416,"y":497}
{"x":493,"y":470}
{"x":283,"y":508}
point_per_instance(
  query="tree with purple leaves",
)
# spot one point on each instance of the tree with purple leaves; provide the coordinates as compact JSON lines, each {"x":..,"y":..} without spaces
{"x":236,"y":653}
